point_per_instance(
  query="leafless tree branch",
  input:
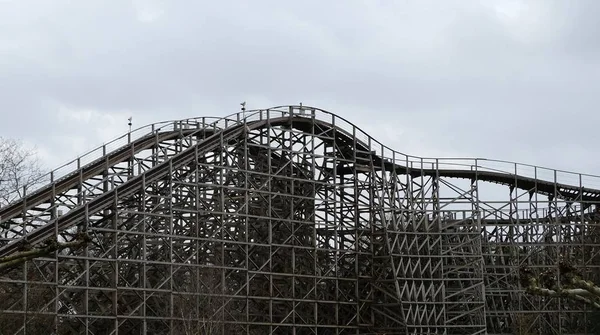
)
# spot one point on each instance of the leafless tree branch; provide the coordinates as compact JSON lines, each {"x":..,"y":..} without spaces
{"x":49,"y":247}
{"x":20,"y":170}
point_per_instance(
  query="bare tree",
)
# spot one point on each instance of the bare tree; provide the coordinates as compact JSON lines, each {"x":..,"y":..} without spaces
{"x":20,"y":170}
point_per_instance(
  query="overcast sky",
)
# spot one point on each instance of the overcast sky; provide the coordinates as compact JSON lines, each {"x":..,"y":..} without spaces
{"x":512,"y":80}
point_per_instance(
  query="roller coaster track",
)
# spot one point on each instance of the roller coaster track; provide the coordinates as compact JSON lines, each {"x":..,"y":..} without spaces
{"x":72,"y":180}
{"x":189,"y":143}
{"x":44,"y":195}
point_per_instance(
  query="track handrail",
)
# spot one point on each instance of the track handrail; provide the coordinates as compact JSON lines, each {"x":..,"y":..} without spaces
{"x":550,"y":188}
{"x":475,"y":170}
{"x":140,"y":143}
{"x":95,"y":204}
{"x":285,"y":109}
{"x":157,"y":171}
{"x":124,"y":140}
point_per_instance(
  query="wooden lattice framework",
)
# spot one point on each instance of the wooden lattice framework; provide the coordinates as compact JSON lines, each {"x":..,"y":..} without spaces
{"x":290,"y":220}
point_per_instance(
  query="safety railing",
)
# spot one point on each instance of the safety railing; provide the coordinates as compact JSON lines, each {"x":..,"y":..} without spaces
{"x":42,"y":216}
{"x":413,"y":162}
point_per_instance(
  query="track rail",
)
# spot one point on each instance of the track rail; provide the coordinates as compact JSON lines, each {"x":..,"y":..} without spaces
{"x":94,"y":168}
{"x":561,"y":191}
{"x":105,"y":200}
{"x":154,"y":136}
{"x":212,"y":141}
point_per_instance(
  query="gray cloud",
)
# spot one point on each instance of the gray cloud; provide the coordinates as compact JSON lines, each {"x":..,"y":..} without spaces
{"x":503,"y":80}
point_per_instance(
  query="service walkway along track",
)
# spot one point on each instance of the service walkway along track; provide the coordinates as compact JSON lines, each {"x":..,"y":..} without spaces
{"x":105,"y":200}
{"x":372,"y":242}
{"x":211,"y":141}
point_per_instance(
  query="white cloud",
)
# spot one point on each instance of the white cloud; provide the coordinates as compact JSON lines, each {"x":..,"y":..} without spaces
{"x":451,"y":78}
{"x":148,"y":10}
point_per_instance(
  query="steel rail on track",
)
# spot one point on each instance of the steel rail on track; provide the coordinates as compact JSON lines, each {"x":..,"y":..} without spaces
{"x":92,"y":169}
{"x":211,"y":142}
{"x":564,"y":191}
{"x":105,"y":200}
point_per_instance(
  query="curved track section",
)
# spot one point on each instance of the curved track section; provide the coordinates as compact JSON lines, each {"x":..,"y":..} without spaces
{"x":292,"y":220}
